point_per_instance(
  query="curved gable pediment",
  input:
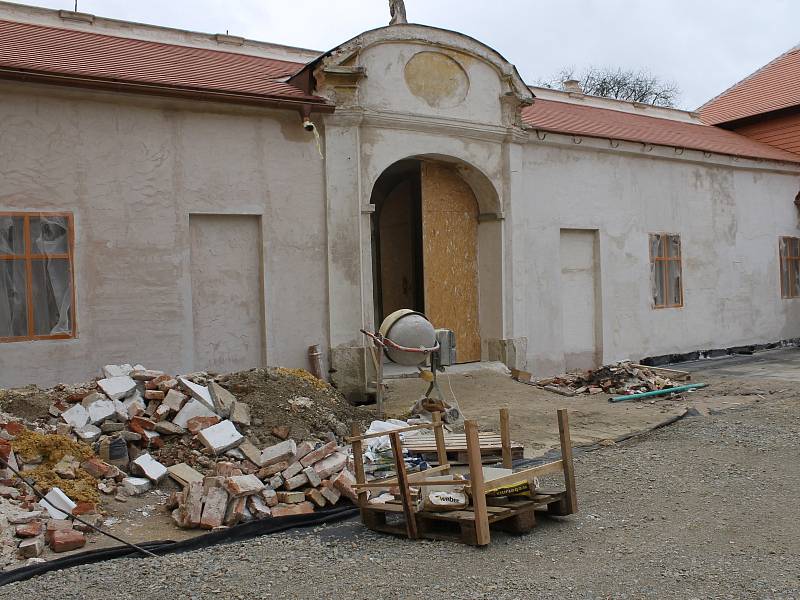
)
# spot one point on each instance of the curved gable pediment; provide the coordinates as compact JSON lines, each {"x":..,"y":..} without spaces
{"x":420,"y":70}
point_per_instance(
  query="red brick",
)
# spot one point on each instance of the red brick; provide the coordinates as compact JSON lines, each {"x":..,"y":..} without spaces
{"x":140,"y":424}
{"x":303,"y":508}
{"x":66,"y":540}
{"x":54,"y":525}
{"x":281,"y":432}
{"x":99,"y":469}
{"x":344,"y":482}
{"x":227,"y":469}
{"x":153,"y":395}
{"x":267,"y":472}
{"x":29,"y":530}
{"x":196,"y":424}
{"x":235,"y":512}
{"x":84,"y":508}
{"x":318,"y":454}
{"x":14,"y":428}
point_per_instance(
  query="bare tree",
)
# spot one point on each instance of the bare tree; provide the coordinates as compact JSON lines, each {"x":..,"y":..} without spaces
{"x":634,"y":86}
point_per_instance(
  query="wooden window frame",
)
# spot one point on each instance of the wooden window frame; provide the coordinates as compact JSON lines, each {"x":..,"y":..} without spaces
{"x":788,"y":260}
{"x":666,"y":259}
{"x":28,"y":257}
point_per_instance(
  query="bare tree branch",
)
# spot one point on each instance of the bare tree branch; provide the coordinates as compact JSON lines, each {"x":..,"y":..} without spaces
{"x":633,"y":86}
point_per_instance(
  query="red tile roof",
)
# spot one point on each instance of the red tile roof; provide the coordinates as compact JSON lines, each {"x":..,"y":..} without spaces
{"x":773,"y":87}
{"x":575,"y":119}
{"x":67,"y":56}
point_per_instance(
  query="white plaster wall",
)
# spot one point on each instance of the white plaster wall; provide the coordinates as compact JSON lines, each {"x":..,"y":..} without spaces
{"x":729,"y":220}
{"x":132,"y":170}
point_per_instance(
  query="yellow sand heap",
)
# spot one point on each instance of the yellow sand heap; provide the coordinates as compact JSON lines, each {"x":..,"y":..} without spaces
{"x":303,"y":374}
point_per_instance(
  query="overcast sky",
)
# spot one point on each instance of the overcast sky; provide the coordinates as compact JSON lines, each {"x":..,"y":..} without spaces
{"x":703,"y":45}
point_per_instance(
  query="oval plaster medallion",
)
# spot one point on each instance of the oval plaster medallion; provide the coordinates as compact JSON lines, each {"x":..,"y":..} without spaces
{"x":437,"y":79}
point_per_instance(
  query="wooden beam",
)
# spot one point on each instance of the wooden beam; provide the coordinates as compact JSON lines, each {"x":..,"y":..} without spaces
{"x":482,"y":535}
{"x":525,"y":475}
{"x":381,"y":485}
{"x":671,"y":373}
{"x":438,"y":432}
{"x":505,"y":436}
{"x":377,"y":434}
{"x":402,"y":482}
{"x":566,"y":460}
{"x":412,"y":477}
{"x":358,"y":465}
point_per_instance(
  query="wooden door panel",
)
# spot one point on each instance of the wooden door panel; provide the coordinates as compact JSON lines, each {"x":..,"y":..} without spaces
{"x":450,"y":256}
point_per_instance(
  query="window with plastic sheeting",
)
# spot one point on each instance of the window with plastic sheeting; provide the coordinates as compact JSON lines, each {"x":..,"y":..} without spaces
{"x":790,"y":267}
{"x":37,"y":295}
{"x":665,"y":270}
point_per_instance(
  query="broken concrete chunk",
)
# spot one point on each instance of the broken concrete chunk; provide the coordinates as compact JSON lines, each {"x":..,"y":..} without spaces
{"x":57,"y":504}
{"x":91,"y":398}
{"x":193,"y":408}
{"x":112,"y":427}
{"x":279,"y":452}
{"x":151,"y":468}
{"x":270,"y":496}
{"x":111,"y":371}
{"x":136,"y":486}
{"x":174,"y":400}
{"x":101,"y":410}
{"x":318,"y":454}
{"x":276,"y":481}
{"x":240,"y":414}
{"x":214,"y":509}
{"x":223,"y":400}
{"x":25,"y":517}
{"x":243,"y":485}
{"x":67,"y":467}
{"x":77,"y":416}
{"x":198,"y":392}
{"x":145,"y":374}
{"x":117,"y":388}
{"x":184,"y":474}
{"x":88,"y":433}
{"x":220,"y":437}
{"x":31,"y":548}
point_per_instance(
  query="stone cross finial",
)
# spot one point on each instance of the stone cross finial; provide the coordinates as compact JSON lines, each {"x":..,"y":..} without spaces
{"x":397,"y":8}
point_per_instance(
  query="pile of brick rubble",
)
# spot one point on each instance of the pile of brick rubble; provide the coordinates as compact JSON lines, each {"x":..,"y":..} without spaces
{"x":620,"y":378}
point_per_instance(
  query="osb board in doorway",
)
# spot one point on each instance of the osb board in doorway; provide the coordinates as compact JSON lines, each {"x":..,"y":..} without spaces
{"x":450,"y":256}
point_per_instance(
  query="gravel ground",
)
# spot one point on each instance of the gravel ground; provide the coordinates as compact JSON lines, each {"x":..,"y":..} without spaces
{"x":706,"y":508}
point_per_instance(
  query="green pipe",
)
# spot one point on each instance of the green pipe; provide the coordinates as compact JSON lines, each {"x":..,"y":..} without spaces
{"x":682,"y":388}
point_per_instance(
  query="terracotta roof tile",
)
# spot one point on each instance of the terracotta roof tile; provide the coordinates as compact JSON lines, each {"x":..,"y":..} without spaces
{"x":575,"y":119}
{"x":86,"y":57}
{"x":773,"y":87}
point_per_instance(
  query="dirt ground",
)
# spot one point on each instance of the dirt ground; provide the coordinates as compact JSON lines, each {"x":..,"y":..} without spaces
{"x":704,"y":508}
{"x":482,"y":392}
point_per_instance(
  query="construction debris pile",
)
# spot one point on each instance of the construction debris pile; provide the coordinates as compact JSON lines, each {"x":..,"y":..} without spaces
{"x":132,"y":429}
{"x":621,"y":378}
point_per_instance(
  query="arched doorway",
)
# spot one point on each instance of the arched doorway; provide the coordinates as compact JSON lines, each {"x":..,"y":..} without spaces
{"x":425,"y":248}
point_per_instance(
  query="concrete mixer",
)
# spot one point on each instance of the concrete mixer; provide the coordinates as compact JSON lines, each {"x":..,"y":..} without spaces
{"x":408,"y":338}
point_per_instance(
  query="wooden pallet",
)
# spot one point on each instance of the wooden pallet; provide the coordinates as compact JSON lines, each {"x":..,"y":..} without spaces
{"x":516,"y":516}
{"x":456,"y":447}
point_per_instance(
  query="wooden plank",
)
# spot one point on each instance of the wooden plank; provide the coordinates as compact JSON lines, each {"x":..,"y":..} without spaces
{"x":438,"y":432}
{"x":377,"y":434}
{"x":671,"y":373}
{"x":392,"y":508}
{"x":526,"y":475}
{"x":482,"y":535}
{"x":412,"y":477}
{"x":402,"y":482}
{"x":566,"y":460}
{"x":380,"y":485}
{"x":505,"y":435}
{"x":358,"y":465}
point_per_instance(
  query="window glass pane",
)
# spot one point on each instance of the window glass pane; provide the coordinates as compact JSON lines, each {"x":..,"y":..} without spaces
{"x":784,"y":247}
{"x":794,"y":247}
{"x":675,"y":283}
{"x":794,"y":267}
{"x":785,"y":276}
{"x":658,"y":283}
{"x":52,"y":296}
{"x":656,"y":246}
{"x":674,"y":246}
{"x":13,"y":303}
{"x":12,"y":235}
{"x":49,"y":235}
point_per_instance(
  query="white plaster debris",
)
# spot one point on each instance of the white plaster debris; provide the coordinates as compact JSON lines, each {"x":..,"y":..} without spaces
{"x":151,"y":468}
{"x":76,"y":416}
{"x":110,"y":371}
{"x":117,"y":388}
{"x":193,"y":408}
{"x":89,"y":433}
{"x":101,"y":410}
{"x":198,"y":392}
{"x":57,"y":504}
{"x":220,"y":437}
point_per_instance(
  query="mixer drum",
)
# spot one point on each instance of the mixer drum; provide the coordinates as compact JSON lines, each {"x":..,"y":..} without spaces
{"x":409,"y":328}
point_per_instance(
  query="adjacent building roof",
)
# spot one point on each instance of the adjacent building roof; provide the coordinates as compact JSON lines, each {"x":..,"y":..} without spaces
{"x":71,"y":57}
{"x":774,"y":86}
{"x":575,"y":119}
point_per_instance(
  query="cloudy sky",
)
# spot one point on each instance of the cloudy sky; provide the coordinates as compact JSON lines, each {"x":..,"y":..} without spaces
{"x":703,"y":45}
